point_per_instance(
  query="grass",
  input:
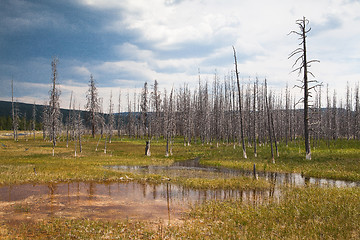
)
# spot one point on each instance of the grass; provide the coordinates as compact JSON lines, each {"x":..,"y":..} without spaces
{"x":19,"y":159}
{"x":339,"y":161}
{"x":32,"y":162}
{"x":303,"y":213}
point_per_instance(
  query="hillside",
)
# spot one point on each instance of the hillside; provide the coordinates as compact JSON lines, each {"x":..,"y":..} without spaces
{"x":25,"y":109}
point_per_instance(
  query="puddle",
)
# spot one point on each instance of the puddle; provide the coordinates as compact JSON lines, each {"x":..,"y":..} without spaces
{"x":120,"y":200}
{"x":193,"y":168}
{"x":140,"y":201}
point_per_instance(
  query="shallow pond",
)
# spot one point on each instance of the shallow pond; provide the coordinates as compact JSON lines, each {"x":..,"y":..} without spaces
{"x":193,"y":168}
{"x":140,"y":201}
{"x":119,"y":200}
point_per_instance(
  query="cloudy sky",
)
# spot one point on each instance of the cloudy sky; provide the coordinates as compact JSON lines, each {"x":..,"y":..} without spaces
{"x":124,"y":43}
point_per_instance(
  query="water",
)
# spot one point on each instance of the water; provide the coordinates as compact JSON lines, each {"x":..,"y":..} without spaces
{"x":114,"y":200}
{"x":141,"y":201}
{"x":193,"y":168}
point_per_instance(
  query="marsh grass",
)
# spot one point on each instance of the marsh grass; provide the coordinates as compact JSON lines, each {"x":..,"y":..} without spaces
{"x":18,"y":159}
{"x":29,"y":161}
{"x":303,"y":213}
{"x":339,"y":161}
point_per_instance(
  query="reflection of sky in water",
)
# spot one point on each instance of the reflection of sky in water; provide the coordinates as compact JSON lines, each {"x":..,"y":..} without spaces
{"x":192,"y":168}
{"x":117,"y":200}
{"x":125,"y":191}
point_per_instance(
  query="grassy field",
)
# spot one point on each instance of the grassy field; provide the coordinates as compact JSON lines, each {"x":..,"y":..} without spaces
{"x":32,"y":162}
{"x":18,"y":159}
{"x":302,"y":213}
{"x":339,"y":161}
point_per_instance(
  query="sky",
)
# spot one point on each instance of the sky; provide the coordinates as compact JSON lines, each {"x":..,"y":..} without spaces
{"x":125,"y":43}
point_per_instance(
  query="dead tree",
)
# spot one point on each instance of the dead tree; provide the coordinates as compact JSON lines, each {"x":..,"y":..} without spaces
{"x":54,"y":105}
{"x":255,"y":93}
{"x":33,"y":123}
{"x":145,"y":117}
{"x":357,"y":114}
{"x":348,"y":112}
{"x":273,"y":125}
{"x":240,"y":106}
{"x":270,"y":129}
{"x":303,"y":67}
{"x":79,"y":128}
{"x":68,"y":121}
{"x":14,"y":113}
{"x":287,"y":113}
{"x":119,"y":116}
{"x":156,"y":103}
{"x":111,"y":118}
{"x":93,"y":105}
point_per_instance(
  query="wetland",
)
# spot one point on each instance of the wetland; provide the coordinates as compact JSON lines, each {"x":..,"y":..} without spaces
{"x":200,"y":191}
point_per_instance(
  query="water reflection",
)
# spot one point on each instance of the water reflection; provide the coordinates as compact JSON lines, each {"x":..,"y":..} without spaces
{"x":122,"y":200}
{"x":117,"y":200}
{"x":193,"y":168}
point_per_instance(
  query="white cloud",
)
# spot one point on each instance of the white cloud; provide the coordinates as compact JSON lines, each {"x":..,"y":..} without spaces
{"x":171,"y":39}
{"x":81,"y":70}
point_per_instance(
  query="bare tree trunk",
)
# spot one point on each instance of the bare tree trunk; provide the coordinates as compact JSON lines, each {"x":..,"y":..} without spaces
{"x":357,"y":114}
{"x":97,"y":145}
{"x":147,"y":149}
{"x":55,"y":114}
{"x":15,"y":115}
{"x":269,"y":123}
{"x":67,"y":125}
{"x":119,"y":116}
{"x":287,"y":113}
{"x":306,"y":96}
{"x":93,"y":105}
{"x":304,"y":65}
{"x":272,"y":126}
{"x":240,"y":109}
{"x":34,"y":119}
{"x":254,"y":116}
{"x":79,"y":129}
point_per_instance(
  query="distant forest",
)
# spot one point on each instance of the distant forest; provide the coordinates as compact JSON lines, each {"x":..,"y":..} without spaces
{"x":25,"y":111}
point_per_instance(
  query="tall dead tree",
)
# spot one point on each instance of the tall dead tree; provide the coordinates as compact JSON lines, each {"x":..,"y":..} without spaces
{"x":303,"y":67}
{"x":119,"y":120}
{"x":93,"y":105}
{"x":111,"y":118}
{"x":168,"y":121}
{"x":348,"y":111}
{"x":270,"y":129}
{"x":14,"y":113}
{"x":68,"y":121}
{"x":240,"y":106}
{"x":255,"y":93}
{"x":144,"y":117}
{"x":357,"y":114}
{"x":33,"y":123}
{"x":54,"y":105}
{"x":156,"y":103}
